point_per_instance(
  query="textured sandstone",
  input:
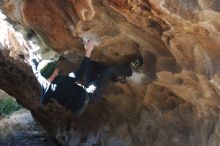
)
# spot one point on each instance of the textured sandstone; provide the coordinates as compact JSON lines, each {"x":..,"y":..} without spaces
{"x":177,"y":106}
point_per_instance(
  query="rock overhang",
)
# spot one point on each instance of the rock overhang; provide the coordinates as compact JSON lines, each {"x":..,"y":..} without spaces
{"x":181,"y":100}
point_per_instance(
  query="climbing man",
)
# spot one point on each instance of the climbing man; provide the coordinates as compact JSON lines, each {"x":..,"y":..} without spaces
{"x":64,"y":88}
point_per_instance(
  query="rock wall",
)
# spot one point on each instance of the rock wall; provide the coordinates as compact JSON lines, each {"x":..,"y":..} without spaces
{"x":173,"y":99}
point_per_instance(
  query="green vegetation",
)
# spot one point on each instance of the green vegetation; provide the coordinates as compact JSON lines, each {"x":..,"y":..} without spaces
{"x":8,"y":105}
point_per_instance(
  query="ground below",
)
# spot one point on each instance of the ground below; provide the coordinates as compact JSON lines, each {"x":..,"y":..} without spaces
{"x":20,"y":129}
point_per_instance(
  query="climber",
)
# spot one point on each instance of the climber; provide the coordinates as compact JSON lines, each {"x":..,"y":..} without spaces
{"x":65,"y":90}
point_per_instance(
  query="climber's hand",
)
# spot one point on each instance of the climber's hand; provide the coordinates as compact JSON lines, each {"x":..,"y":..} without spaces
{"x":30,"y":55}
{"x":33,"y":56}
{"x":89,"y":46}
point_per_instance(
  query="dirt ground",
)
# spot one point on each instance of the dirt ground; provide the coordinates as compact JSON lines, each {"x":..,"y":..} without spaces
{"x":20,"y":129}
{"x":25,"y":139}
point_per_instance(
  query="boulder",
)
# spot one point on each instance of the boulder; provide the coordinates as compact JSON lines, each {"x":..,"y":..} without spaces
{"x":173,"y":98}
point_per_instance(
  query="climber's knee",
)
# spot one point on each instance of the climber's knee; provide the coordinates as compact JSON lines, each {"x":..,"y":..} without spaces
{"x":109,"y":71}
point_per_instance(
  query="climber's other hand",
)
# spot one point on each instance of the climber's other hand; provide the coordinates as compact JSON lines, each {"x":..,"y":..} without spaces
{"x":89,"y":46}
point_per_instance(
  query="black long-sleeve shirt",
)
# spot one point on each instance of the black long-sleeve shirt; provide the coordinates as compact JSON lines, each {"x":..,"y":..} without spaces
{"x":63,"y":88}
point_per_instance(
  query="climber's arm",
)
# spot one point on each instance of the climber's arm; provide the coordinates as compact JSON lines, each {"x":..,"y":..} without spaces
{"x":45,"y":98}
{"x":34,"y":64}
{"x":34,"y":61}
{"x":79,"y":73}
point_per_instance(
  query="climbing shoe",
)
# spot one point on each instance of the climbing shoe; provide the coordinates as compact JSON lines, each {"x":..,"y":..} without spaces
{"x":121,"y":79}
{"x":136,"y":62}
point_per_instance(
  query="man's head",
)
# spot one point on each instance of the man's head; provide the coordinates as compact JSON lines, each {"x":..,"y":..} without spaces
{"x":48,"y":69}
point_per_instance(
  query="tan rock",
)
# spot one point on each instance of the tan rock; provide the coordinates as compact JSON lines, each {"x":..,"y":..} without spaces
{"x":179,"y":40}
